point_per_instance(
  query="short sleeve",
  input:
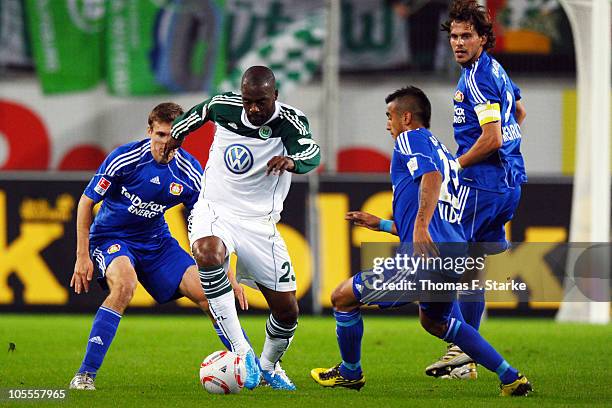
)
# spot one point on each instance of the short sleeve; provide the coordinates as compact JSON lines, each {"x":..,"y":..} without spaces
{"x":416,"y":154}
{"x":484,"y":96}
{"x":105,"y":177}
{"x":481,"y":87}
{"x":189,"y":170}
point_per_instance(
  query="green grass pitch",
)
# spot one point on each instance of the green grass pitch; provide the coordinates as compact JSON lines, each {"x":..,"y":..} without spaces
{"x":154,"y":362}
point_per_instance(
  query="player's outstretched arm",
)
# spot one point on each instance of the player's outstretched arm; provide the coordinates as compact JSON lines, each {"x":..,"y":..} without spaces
{"x":83,"y":267}
{"x":369,"y":221}
{"x":189,"y":121}
{"x":488,"y":143}
{"x":429,"y":191}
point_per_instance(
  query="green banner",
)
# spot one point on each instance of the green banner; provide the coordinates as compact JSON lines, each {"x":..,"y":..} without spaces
{"x":66,"y":39}
{"x":164,"y":45}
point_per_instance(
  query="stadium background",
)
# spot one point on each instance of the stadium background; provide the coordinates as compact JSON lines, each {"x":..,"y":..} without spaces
{"x":80,"y":76}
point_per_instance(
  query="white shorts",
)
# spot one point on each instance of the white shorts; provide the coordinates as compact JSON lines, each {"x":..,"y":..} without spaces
{"x":261,"y":250}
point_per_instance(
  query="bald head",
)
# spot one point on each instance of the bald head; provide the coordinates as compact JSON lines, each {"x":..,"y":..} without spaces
{"x":259,"y":76}
{"x":259,"y":94}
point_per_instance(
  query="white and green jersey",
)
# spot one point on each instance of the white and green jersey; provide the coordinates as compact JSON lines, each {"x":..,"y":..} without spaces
{"x":235,"y":178}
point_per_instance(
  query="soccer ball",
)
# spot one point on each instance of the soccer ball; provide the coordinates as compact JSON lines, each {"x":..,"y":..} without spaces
{"x":223,"y":372}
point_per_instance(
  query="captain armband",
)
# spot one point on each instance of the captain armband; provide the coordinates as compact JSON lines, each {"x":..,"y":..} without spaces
{"x":488,"y":112}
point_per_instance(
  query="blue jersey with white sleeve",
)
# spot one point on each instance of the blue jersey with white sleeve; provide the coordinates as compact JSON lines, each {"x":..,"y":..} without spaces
{"x":483,"y":95}
{"x":416,"y":153}
{"x":137,"y":191}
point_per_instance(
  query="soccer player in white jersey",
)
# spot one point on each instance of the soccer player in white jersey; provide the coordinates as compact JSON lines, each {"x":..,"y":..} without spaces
{"x":258,"y":143}
{"x":129,"y":239}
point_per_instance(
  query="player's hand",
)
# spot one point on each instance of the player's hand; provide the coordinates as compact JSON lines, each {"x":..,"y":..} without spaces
{"x":363,"y":219}
{"x":423,"y":244}
{"x":240,"y":295}
{"x":278,"y":164}
{"x":171,"y":146}
{"x":239,"y":292}
{"x":83,"y":273}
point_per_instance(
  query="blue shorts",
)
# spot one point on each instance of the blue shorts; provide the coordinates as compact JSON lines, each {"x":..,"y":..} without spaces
{"x":160,"y":263}
{"x":485,"y":215}
{"x":437,"y":305}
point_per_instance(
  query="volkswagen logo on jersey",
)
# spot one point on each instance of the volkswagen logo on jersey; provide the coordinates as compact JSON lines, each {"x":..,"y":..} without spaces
{"x":238,"y":158}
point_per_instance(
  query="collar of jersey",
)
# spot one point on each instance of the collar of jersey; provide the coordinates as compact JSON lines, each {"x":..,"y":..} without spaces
{"x":483,"y":57}
{"x":417,"y":130}
{"x":248,"y":124}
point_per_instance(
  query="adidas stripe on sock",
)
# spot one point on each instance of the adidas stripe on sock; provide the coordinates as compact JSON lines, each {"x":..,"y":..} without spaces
{"x":214,"y":281}
{"x":278,"y":338}
{"x":222,"y":306}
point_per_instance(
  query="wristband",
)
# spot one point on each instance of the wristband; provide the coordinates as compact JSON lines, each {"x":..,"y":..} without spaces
{"x":385,"y":225}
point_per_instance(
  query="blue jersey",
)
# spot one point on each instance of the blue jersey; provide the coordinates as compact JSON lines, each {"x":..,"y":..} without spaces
{"x":486,"y":94}
{"x":137,"y":191}
{"x":416,"y":153}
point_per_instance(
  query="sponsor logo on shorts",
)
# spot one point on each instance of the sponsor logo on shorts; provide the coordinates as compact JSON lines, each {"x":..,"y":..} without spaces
{"x":176,"y":189}
{"x":113,"y":248}
{"x":238,"y":158}
{"x":102,"y":186}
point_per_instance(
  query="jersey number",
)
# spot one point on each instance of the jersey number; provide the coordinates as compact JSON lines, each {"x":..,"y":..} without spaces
{"x":509,"y":108}
{"x":288,"y":275}
{"x":451,"y":170}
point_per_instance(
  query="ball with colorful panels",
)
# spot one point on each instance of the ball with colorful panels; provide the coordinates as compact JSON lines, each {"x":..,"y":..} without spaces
{"x":223,"y":372}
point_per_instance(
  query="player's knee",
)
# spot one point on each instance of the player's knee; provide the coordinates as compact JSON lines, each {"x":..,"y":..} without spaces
{"x":208,"y":253}
{"x":433,"y":327}
{"x":124,"y":290}
{"x":289,"y":315}
{"x":341,"y":300}
{"x":338,"y":299}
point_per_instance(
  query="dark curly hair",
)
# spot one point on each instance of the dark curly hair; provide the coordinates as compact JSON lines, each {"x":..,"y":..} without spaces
{"x":469,"y":11}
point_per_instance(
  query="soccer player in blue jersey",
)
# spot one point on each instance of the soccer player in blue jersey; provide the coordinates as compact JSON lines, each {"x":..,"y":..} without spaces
{"x":426,"y":210}
{"x":129,"y":239}
{"x":487,"y":119}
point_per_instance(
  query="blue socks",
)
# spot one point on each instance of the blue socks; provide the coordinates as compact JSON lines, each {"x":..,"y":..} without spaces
{"x":472,"y":306}
{"x":101,"y":336}
{"x":224,"y":339}
{"x":349,"y":331}
{"x":474,"y":345}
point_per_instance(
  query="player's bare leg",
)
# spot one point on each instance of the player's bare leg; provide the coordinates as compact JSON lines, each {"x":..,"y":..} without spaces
{"x":349,"y":331}
{"x":191,"y":288}
{"x":122,"y":281}
{"x":210,"y":254}
{"x":280,"y":329}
